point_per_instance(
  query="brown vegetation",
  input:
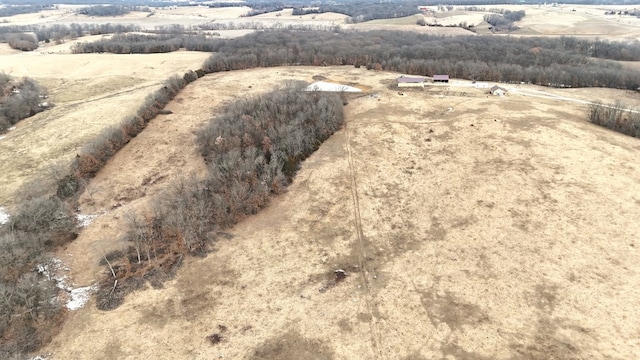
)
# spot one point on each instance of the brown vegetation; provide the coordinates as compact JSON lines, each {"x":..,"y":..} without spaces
{"x":30,"y":309}
{"x":558,"y":62}
{"x":252,"y":151}
{"x":19,"y":99}
{"x":616,"y":116}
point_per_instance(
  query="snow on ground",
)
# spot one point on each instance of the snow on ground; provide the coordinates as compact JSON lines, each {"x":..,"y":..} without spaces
{"x":79,"y":297}
{"x":85,"y":219}
{"x":76,"y":297}
{"x":4,"y":216}
{"x":325,"y":86}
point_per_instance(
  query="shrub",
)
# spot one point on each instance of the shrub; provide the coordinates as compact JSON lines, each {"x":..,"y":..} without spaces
{"x":190,"y":76}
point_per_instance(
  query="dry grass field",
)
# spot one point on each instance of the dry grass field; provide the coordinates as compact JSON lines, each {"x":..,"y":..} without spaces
{"x":90,"y":93}
{"x":470,"y":226}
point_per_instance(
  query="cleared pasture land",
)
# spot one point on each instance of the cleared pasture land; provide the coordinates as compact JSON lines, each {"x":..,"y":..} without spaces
{"x":470,"y":227}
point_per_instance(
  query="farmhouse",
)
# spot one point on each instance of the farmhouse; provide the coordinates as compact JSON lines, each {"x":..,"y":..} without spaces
{"x":405,"y":81}
{"x":441,"y":78}
{"x":497,"y":90}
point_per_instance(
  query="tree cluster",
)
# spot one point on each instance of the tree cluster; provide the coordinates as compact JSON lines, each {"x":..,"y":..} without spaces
{"x":362,"y":10}
{"x":105,"y":10}
{"x":263,"y":9}
{"x":545,"y":61}
{"x":252,"y":152}
{"x":297,"y":11}
{"x":504,"y":22}
{"x":19,"y":99}
{"x":20,"y":41}
{"x":11,"y":10}
{"x":617,"y":117}
{"x":144,"y":44}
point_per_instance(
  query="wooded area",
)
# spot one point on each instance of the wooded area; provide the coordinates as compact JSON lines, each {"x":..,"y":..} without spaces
{"x":560,"y":62}
{"x":19,"y":99}
{"x":252,"y":151}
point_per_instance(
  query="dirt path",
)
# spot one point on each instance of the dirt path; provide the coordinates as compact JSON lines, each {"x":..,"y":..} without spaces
{"x":469,"y":227}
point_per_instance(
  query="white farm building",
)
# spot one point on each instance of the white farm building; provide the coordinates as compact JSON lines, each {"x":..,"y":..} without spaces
{"x":405,"y":81}
{"x":497,"y":90}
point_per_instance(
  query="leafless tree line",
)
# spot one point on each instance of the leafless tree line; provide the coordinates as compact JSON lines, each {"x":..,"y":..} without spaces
{"x":44,"y":220}
{"x":616,"y":116}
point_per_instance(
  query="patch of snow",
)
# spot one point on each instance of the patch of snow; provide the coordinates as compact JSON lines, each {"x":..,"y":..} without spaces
{"x":39,"y":357}
{"x":2,"y":137}
{"x":4,"y":216}
{"x":77,"y":297}
{"x":325,"y":86}
{"x":12,"y":128}
{"x":85,"y":219}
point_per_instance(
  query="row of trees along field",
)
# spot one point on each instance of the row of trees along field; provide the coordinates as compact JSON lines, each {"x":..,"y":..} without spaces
{"x":19,"y":99}
{"x":252,"y":151}
{"x":145,"y":44}
{"x":30,"y":309}
{"x":111,"y":10}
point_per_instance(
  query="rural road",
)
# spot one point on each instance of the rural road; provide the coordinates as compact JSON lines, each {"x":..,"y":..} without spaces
{"x":544,"y":95}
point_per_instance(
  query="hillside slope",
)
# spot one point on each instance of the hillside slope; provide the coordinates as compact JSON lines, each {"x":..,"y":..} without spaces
{"x":470,"y":227}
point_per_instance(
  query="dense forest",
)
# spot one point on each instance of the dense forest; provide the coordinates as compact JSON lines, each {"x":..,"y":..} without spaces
{"x":19,"y":99}
{"x":545,"y":61}
{"x":560,"y":62}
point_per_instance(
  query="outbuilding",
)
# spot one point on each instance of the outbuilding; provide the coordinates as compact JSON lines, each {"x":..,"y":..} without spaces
{"x":497,"y":90}
{"x":405,"y":81}
{"x":441,"y":78}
